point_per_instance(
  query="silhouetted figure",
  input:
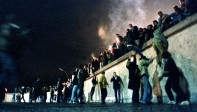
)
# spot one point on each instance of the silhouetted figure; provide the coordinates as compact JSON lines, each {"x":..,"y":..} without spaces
{"x":94,"y":82}
{"x":134,"y":78}
{"x":81,"y":76}
{"x":176,"y":81}
{"x":22,"y":91}
{"x":51,"y":94}
{"x":10,"y":35}
{"x":44,"y":94}
{"x":59,"y":90}
{"x":75,"y":86}
{"x":189,"y":7}
{"x":37,"y":89}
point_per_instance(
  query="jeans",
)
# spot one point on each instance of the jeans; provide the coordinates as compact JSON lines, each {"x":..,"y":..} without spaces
{"x":137,"y":50}
{"x":147,"y":94}
{"x":80,"y":90}
{"x":74,"y":93}
{"x":117,"y":95}
{"x":8,"y":74}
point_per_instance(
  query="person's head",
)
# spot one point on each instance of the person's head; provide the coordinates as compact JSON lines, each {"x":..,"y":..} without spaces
{"x":166,"y":55}
{"x":81,"y":66}
{"x":155,"y":22}
{"x":176,"y":9}
{"x":85,"y":66}
{"x":140,"y":29}
{"x":76,"y":69}
{"x":160,"y":13}
{"x":149,"y":27}
{"x":114,"y":74}
{"x":182,"y":2}
{"x":117,"y":34}
{"x":131,"y":26}
{"x":144,"y":29}
{"x":59,"y":79}
{"x":103,"y":73}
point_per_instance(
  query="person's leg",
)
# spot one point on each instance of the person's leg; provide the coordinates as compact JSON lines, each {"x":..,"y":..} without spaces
{"x":145,"y":94}
{"x":2,"y":92}
{"x":168,"y":90}
{"x":118,"y":92}
{"x":102,"y":95}
{"x":136,"y":49}
{"x":149,"y":91}
{"x":105,"y":94}
{"x":92,"y":92}
{"x":74,"y":91}
{"x":158,"y":47}
{"x":115,"y":93}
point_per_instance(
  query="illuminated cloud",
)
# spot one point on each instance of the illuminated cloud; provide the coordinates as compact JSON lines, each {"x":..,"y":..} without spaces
{"x":102,"y":32}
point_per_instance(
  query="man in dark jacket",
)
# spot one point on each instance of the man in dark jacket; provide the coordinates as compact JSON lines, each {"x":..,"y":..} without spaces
{"x":116,"y":86}
{"x":94,"y":82}
{"x":59,"y":90}
{"x":176,"y":81}
{"x":37,"y":89}
{"x":81,"y":76}
{"x":134,"y":78}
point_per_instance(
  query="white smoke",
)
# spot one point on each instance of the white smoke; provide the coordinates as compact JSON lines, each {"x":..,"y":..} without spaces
{"x":136,"y":12}
{"x":124,"y":12}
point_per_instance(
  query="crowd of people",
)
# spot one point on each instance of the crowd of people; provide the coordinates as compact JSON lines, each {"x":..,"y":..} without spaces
{"x":72,"y":91}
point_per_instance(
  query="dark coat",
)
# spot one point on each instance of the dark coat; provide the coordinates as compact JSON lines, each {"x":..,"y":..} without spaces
{"x":116,"y":82}
{"x":134,"y":78}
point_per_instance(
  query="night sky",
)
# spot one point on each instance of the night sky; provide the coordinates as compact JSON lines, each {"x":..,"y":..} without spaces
{"x":64,"y":33}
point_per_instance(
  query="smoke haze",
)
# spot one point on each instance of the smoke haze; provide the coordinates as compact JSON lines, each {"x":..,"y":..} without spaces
{"x":66,"y":32}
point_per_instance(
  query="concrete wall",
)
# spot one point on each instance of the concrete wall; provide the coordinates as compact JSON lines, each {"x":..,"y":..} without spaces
{"x":183,"y":47}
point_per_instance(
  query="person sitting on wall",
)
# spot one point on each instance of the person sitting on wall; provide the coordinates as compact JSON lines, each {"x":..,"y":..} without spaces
{"x":176,"y":16}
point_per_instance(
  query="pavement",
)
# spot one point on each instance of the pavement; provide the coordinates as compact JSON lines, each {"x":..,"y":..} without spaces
{"x":94,"y":107}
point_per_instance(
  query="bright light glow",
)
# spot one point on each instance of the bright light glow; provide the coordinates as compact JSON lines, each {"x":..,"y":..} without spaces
{"x":93,"y":56}
{"x":117,"y":40}
{"x":102,"y":32}
{"x":110,"y":47}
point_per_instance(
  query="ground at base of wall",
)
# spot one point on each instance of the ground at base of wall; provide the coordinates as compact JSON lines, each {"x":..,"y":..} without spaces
{"x":94,"y":107}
